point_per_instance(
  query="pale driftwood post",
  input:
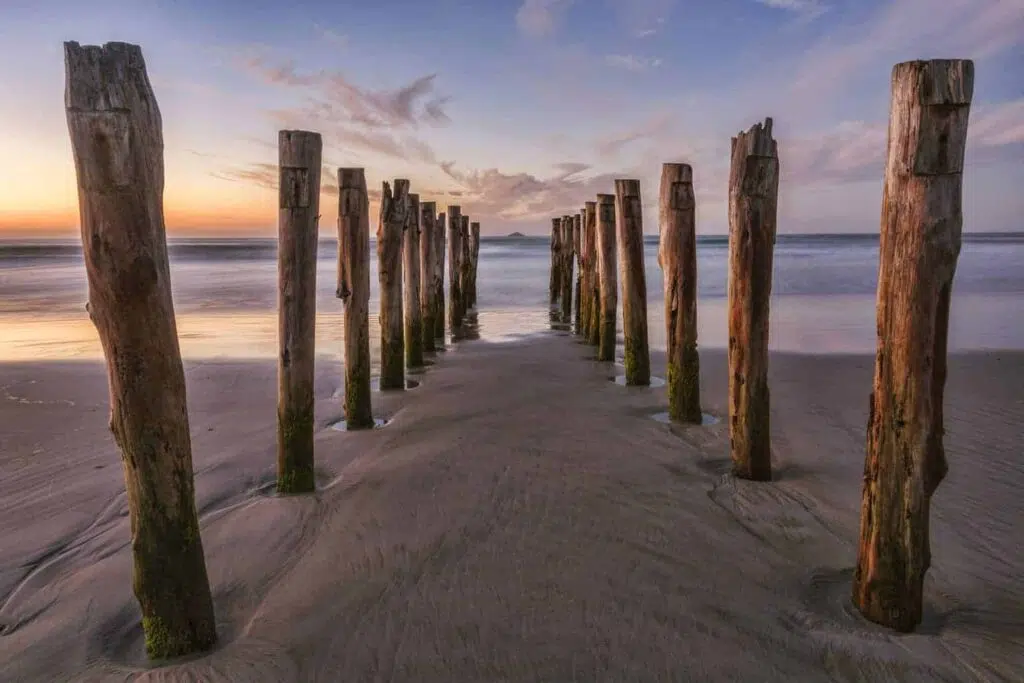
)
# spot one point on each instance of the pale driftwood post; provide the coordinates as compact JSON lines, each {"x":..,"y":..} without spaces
{"x":567,"y":279}
{"x":465,"y":266}
{"x":354,"y":291}
{"x":440,"y":237}
{"x":474,"y":259}
{"x":394,"y":209}
{"x":299,"y":201}
{"x":117,"y":144}
{"x":555,"y":286}
{"x":577,"y":254}
{"x":630,"y":227}
{"x":593,"y":292}
{"x":753,"y":198}
{"x":454,"y":267}
{"x":920,"y":243}
{"x":607,"y":275}
{"x":412,"y":285}
{"x":677,"y":256}
{"x":428,"y":287}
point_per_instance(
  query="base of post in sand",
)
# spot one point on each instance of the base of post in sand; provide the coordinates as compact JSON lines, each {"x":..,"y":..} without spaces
{"x":621,"y":381}
{"x":375,"y":384}
{"x":342,"y":425}
{"x":420,"y":369}
{"x":707,"y":419}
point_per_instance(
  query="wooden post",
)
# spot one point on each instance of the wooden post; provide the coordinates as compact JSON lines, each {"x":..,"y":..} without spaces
{"x":753,"y":198}
{"x":354,"y":291}
{"x":299,"y":155}
{"x":394,"y":210}
{"x":577,"y":254}
{"x":584,"y":279}
{"x":412,"y":286}
{"x":428,"y":287}
{"x":454,"y":267}
{"x":439,"y":248}
{"x":630,"y":226}
{"x":677,"y":256}
{"x":920,"y":243}
{"x":474,"y":259}
{"x":465,"y":266}
{"x":607,"y":275}
{"x":567,"y":255}
{"x":593,"y":289}
{"x":555,"y":285}
{"x":117,"y":144}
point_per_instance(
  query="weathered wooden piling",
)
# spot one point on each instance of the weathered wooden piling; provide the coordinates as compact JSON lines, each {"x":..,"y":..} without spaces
{"x":567,"y":255}
{"x":753,"y":199}
{"x":592,"y":296}
{"x":428,"y":286}
{"x":454,"y":267}
{"x":677,"y":256}
{"x":555,"y":286}
{"x":465,"y":266}
{"x":412,"y":285}
{"x":117,"y":143}
{"x":577,"y":255}
{"x":607,"y":275}
{"x":440,"y":237}
{"x":394,"y":210}
{"x":354,"y":291}
{"x":474,"y":260}
{"x":919,"y":247}
{"x":630,"y":227}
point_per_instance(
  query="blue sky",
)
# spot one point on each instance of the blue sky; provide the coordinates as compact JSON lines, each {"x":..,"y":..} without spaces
{"x":517,"y":110}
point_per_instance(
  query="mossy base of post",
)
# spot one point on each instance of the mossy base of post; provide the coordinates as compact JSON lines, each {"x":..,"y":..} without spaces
{"x":684,"y":388}
{"x":392,"y":369}
{"x":295,"y":466}
{"x":638,"y":364}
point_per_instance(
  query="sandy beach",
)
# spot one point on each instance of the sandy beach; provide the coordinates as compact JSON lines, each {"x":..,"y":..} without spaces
{"x":521,"y":518}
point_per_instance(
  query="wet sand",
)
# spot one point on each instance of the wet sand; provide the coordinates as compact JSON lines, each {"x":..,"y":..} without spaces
{"x":521,"y":518}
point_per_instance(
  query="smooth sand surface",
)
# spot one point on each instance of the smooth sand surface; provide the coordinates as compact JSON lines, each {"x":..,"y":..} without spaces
{"x":521,"y":518}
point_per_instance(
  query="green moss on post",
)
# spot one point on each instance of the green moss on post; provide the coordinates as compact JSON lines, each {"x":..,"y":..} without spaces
{"x":607,"y":278}
{"x":630,"y":226}
{"x":684,"y":389}
{"x":394,"y":209}
{"x":412,"y":285}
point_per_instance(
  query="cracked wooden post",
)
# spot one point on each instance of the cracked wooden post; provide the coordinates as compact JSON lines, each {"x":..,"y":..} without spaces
{"x":592,"y":296}
{"x":465,"y":266}
{"x":117,"y":143}
{"x":567,"y":251}
{"x":753,"y":199}
{"x":607,"y":275}
{"x":677,"y":256}
{"x":555,"y":285}
{"x":428,"y":288}
{"x":630,"y":227}
{"x":394,"y":210}
{"x":454,"y":267}
{"x":584,"y":279}
{"x":439,"y":249}
{"x":412,"y":286}
{"x":919,"y":247}
{"x":474,"y":260}
{"x":354,"y":291}
{"x":299,"y":155}
{"x":577,"y":255}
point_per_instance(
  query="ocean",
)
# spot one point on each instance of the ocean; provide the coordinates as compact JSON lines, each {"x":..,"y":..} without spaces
{"x":823,"y":295}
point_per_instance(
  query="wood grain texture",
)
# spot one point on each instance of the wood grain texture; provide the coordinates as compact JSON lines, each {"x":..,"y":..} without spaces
{"x":411,"y":280}
{"x":454,"y":267}
{"x":465,"y":266}
{"x":441,"y":237}
{"x":428,"y":285}
{"x":474,"y":260}
{"x":555,"y":285}
{"x":566,"y":242}
{"x":592,"y":296}
{"x":630,"y":231}
{"x":394,"y":217}
{"x":117,"y":143}
{"x":753,"y":201}
{"x":354,"y":291}
{"x":607,"y":275}
{"x":677,"y":256}
{"x":919,"y":246}
{"x":577,"y":256}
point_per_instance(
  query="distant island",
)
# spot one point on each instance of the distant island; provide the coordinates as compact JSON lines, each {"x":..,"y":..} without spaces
{"x":516,"y":234}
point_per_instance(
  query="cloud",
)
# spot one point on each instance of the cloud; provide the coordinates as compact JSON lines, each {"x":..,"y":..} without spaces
{"x":641,"y":18}
{"x":658,"y":126}
{"x":333,"y":37}
{"x":632,"y":62}
{"x":540,"y":18}
{"x":807,"y":9}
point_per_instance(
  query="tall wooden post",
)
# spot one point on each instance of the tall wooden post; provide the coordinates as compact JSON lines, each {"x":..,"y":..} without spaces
{"x":474,"y":259}
{"x":920,"y":243}
{"x":630,"y":226}
{"x":677,"y":256}
{"x":577,"y":255}
{"x":299,"y":200}
{"x":440,"y":235}
{"x":607,"y":275}
{"x":428,"y":288}
{"x":394,"y":210}
{"x":593,"y":289}
{"x":555,"y":286}
{"x":454,"y":266}
{"x":465,"y":266}
{"x":412,"y":285}
{"x":753,"y":198}
{"x":354,"y":291}
{"x":117,"y":144}
{"x":567,"y":255}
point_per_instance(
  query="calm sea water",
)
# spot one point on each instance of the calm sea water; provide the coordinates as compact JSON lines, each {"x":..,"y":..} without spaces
{"x":225,"y":295}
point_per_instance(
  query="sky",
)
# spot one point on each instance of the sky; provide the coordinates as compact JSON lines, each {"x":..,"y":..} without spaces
{"x":517,"y":110}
